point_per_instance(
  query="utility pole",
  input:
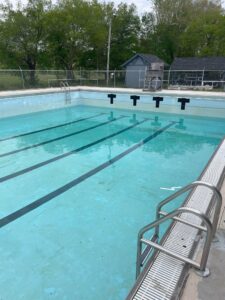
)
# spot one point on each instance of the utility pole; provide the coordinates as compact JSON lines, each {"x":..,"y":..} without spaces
{"x":108,"y":52}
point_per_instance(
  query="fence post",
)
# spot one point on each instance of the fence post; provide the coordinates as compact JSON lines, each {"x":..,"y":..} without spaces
{"x":203,"y":73}
{"x":169,"y":78}
{"x":21,"y":73}
{"x":97,"y":77}
{"x":139,"y":79}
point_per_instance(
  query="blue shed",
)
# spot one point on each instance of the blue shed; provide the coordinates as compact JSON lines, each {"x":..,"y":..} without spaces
{"x":136,"y":68}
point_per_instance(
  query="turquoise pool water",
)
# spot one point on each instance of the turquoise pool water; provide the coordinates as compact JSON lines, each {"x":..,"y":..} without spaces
{"x":77,"y":184}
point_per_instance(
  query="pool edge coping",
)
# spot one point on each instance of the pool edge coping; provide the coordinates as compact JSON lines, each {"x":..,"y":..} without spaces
{"x":189,"y":93}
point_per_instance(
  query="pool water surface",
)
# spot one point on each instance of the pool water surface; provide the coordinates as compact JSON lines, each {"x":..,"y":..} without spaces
{"x":77,"y":184}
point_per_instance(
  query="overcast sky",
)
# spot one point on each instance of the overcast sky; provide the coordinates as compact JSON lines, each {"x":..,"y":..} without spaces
{"x":142,"y":5}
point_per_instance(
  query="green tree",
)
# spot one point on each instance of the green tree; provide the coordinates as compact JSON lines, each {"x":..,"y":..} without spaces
{"x":67,"y":38}
{"x":125,"y":34}
{"x":78,"y":34}
{"x":205,"y":34}
{"x":183,"y":28}
{"x":173,"y":12}
{"x":172,"y":17}
{"x":97,"y":32}
{"x":22,"y":35}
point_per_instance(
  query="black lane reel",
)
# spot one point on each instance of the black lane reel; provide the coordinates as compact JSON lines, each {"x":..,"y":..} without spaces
{"x":157,"y":101}
{"x":111,"y":96}
{"x":183,"y":102}
{"x":135,"y":98}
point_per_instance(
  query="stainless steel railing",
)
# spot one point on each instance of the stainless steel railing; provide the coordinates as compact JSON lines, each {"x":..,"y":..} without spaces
{"x":65,"y":86}
{"x":217,"y":199}
{"x":176,"y":215}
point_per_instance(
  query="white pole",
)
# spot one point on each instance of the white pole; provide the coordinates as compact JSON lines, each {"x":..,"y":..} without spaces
{"x":203,"y":73}
{"x":168,"y":77}
{"x":139,"y":79}
{"x":108,"y":52}
{"x":21,"y":72}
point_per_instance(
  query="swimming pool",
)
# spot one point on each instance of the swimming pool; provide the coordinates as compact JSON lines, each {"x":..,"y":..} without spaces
{"x":78,"y":183}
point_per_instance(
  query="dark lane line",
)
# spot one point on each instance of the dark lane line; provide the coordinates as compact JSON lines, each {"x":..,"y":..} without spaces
{"x":28,"y":208}
{"x":46,"y":162}
{"x":52,"y":127}
{"x":60,"y":137}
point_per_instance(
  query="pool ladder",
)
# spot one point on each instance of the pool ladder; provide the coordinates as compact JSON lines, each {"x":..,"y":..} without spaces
{"x":208,"y":226}
{"x":66,"y":88}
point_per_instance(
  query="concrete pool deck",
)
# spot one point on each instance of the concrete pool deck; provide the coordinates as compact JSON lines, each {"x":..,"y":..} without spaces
{"x":203,"y":94}
{"x":212,"y":287}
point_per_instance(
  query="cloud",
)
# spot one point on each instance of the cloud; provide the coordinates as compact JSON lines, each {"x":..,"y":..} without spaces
{"x":142,"y":5}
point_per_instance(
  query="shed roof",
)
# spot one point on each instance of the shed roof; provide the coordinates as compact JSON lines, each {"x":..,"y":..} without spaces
{"x":199,"y":63}
{"x":148,"y":58}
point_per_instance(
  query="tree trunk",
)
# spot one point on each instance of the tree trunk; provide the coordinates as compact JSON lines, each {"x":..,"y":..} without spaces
{"x":32,"y":81}
{"x":69,"y":74}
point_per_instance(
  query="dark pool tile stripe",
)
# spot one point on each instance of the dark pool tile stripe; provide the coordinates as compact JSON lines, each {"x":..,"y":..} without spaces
{"x":60,"y":137}
{"x":52,"y":127}
{"x":61,"y":156}
{"x":28,"y":208}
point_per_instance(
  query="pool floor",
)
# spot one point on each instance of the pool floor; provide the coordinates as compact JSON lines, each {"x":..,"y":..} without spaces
{"x":77,"y":184}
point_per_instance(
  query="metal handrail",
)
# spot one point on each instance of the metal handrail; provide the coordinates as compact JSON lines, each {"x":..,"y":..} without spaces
{"x":209,"y":235}
{"x":60,"y":80}
{"x":65,"y":85}
{"x":210,"y":227}
{"x":188,"y":187}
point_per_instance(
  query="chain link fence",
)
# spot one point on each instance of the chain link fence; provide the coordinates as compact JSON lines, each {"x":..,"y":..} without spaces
{"x":172,"y":79}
